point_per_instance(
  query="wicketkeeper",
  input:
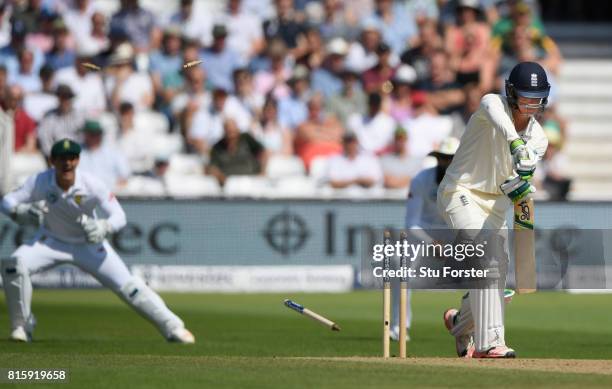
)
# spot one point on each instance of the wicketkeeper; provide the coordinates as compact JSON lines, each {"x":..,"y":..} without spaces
{"x":492,"y":169}
{"x":64,"y":202}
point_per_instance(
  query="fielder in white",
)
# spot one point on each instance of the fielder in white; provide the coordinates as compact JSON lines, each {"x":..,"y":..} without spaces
{"x":491,"y":169}
{"x":65,"y":203}
{"x":422,"y":215}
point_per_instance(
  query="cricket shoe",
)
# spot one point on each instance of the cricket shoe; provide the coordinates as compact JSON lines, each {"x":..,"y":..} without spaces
{"x":495,"y":352}
{"x":19,"y":334}
{"x":464,"y":344}
{"x":394,"y":334}
{"x":181,"y":335}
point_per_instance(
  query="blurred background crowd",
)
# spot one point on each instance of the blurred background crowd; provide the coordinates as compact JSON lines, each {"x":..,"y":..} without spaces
{"x":293,"y":98}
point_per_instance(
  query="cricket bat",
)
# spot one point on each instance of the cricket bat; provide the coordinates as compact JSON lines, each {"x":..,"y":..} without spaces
{"x":524,"y":246}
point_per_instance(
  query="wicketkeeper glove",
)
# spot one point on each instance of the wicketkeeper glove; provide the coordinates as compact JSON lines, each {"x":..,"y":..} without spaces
{"x":96,"y":230}
{"x":516,"y":188}
{"x":28,"y":215}
{"x":525,"y":159}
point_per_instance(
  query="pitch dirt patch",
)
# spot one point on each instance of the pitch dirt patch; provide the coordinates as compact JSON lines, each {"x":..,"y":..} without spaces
{"x":580,"y":366}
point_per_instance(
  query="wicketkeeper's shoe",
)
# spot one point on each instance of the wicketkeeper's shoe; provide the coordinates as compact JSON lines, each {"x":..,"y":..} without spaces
{"x":464,"y":344}
{"x":19,"y":334}
{"x":181,"y":335}
{"x":394,"y":334}
{"x":495,"y":352}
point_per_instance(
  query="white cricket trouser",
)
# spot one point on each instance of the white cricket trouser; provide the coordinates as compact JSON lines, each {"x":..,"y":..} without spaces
{"x":482,"y":311}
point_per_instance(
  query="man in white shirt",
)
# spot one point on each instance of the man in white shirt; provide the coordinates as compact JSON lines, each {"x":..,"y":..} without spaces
{"x":63,"y":201}
{"x":375,"y":130}
{"x":492,"y":169}
{"x":87,"y":86}
{"x":353,"y":168}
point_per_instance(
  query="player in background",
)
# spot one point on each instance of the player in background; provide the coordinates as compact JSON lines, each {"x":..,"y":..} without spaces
{"x":492,"y":169}
{"x":422,"y":215}
{"x":64,"y":202}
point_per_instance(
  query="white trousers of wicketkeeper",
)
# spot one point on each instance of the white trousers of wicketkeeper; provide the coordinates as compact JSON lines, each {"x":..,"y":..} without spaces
{"x":482,"y":310}
{"x":100,"y":260}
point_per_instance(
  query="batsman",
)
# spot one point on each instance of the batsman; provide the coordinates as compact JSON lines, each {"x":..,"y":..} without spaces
{"x":491,"y":171}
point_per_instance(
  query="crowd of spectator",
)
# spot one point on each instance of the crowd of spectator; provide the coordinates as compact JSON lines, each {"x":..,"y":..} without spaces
{"x":369,"y":87}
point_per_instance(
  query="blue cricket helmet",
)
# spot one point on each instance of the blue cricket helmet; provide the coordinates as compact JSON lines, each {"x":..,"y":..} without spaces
{"x":527,"y":79}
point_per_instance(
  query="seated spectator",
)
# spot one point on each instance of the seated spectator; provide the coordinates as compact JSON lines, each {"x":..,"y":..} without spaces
{"x":397,"y":165}
{"x":101,"y":159}
{"x":352,"y":167}
{"x":292,"y":109}
{"x":26,"y":77}
{"x":338,"y":20}
{"x":29,"y":14}
{"x":319,"y":135}
{"x":78,"y":20}
{"x":249,"y":99}
{"x":554,"y":165}
{"x":125,"y":84}
{"x":166,"y":64}
{"x":139,"y":24}
{"x":398,"y":27}
{"x":273,"y":76}
{"x":445,"y":93}
{"x":375,"y":129}
{"x":62,"y":122}
{"x":25,"y":127}
{"x":236,"y":154}
{"x":520,"y":15}
{"x":206,"y":127}
{"x":362,"y":53}
{"x":37,"y":104}
{"x":419,"y":55}
{"x":5,"y":24}
{"x":315,"y":53}
{"x":327,"y":79}
{"x":467,"y":42}
{"x":98,"y":37}
{"x":195,"y":25}
{"x":245,"y":34}
{"x":287,"y":26}
{"x":268,"y":131}
{"x":131,"y":140}
{"x":87,"y":84}
{"x":351,"y":98}
{"x":220,"y":61}
{"x":401,"y":100}
{"x":378,"y":78}
{"x":9,"y":54}
{"x":61,"y":54}
{"x":191,"y":99}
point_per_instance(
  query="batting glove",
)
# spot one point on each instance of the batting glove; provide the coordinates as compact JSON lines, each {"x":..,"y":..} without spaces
{"x":525,"y":159}
{"x":96,"y":230}
{"x":516,"y":188}
{"x":28,"y":215}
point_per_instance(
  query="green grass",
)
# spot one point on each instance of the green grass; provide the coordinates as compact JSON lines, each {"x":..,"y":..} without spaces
{"x":244,"y":341}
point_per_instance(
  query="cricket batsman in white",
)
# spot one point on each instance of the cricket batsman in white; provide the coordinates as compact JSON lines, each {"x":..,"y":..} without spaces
{"x":65,"y":203}
{"x":492,"y":169}
{"x":422,"y":216}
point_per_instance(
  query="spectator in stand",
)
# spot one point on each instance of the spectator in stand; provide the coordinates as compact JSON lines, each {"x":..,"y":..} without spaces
{"x":26,"y":77}
{"x":520,"y":14}
{"x":220,"y":61}
{"x":444,"y":92}
{"x":468,"y":41}
{"x":28,"y":13}
{"x":193,"y":98}
{"x":25,"y":127}
{"x":87,"y":84}
{"x":352,"y":167}
{"x":103,"y":160}
{"x":206,"y":127}
{"x":375,"y":129}
{"x":132,"y":139}
{"x":166,"y":64}
{"x":249,"y":99}
{"x":236,"y":154}
{"x":61,"y":54}
{"x":195,"y":25}
{"x":398,"y":27}
{"x":276,"y":139}
{"x":313,"y":57}
{"x":319,"y":135}
{"x":125,"y":84}
{"x":287,"y":26}
{"x":292,"y":110}
{"x":139,"y":25}
{"x":351,"y":98}
{"x":401,"y":101}
{"x":398,"y":166}
{"x":338,"y":21}
{"x":62,"y":122}
{"x":327,"y":79}
{"x":378,"y":78}
{"x":9,"y":54}
{"x":98,"y":37}
{"x":272,"y":78}
{"x":419,"y":55}
{"x":78,"y":19}
{"x":362,"y":54}
{"x":554,"y":167}
{"x":5,"y":25}
{"x":37,"y":104}
{"x":245,"y":34}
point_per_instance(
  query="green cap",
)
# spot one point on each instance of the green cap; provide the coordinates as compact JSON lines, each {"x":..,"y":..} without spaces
{"x":65,"y":147}
{"x":92,"y":127}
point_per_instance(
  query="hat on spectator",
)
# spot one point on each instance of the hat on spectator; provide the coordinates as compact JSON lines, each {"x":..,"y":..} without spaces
{"x":522,"y":7}
{"x":123,"y":54}
{"x":337,"y":46}
{"x":474,"y":4}
{"x":405,"y":74}
{"x":65,"y":147}
{"x":447,"y":148}
{"x":300,"y":72}
{"x":92,"y":127}
{"x":173,"y":30}
{"x":219,"y":31}
{"x":64,"y":91}
{"x":370,"y":25}
{"x":59,"y":26}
